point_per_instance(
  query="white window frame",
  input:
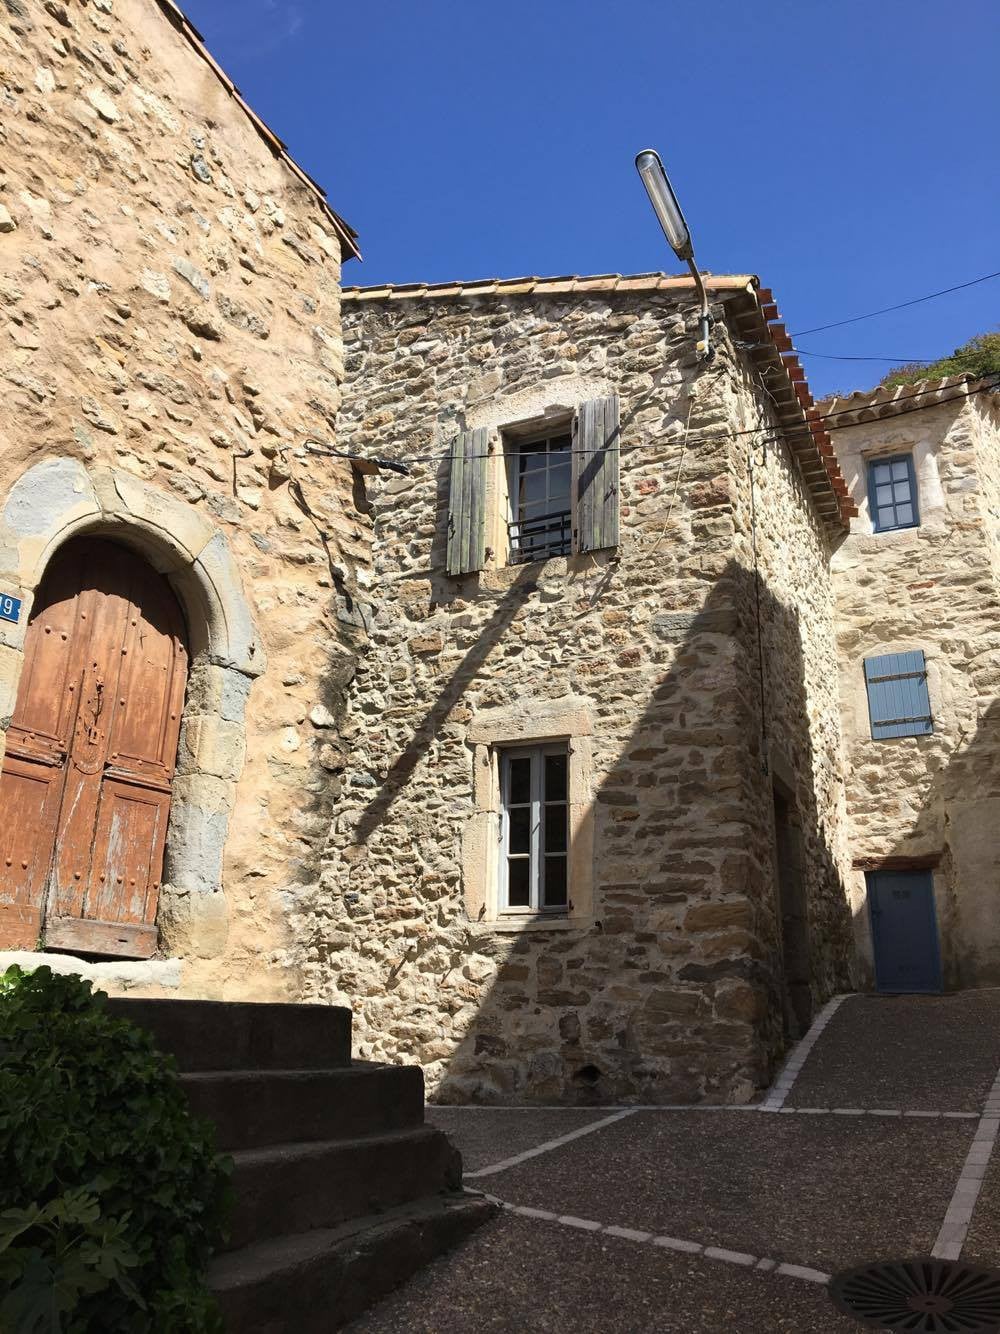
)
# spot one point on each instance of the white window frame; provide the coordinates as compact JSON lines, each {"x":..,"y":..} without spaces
{"x":536,"y":855}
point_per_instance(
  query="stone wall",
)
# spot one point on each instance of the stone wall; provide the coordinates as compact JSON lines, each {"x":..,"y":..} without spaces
{"x":790,"y":699}
{"x":169,"y":289}
{"x":660,"y":983}
{"x":932,"y":799}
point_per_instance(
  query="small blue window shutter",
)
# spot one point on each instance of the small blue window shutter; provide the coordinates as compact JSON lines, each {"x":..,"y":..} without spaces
{"x":596,"y":436}
{"x":898,"y":698}
{"x":467,"y":502}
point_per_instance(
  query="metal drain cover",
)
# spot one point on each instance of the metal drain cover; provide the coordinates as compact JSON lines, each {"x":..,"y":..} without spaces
{"x":922,"y":1296}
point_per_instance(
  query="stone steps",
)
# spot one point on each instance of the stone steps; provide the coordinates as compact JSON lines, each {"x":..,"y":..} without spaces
{"x":290,"y":1188}
{"x":317,"y":1281}
{"x":243,"y":1035}
{"x":341,"y":1190}
{"x":255,"y":1108}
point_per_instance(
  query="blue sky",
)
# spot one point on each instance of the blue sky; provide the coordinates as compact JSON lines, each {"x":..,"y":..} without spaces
{"x":846,"y":152}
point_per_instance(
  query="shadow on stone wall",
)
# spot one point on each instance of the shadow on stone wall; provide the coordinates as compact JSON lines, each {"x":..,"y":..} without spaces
{"x":674,"y":991}
{"x":954,"y":831}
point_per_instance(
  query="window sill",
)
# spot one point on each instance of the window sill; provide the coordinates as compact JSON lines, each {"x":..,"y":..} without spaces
{"x":515,"y":926}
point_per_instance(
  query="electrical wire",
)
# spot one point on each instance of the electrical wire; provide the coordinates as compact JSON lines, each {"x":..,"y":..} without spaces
{"x":831,"y":356}
{"x":804,"y":428}
{"x":855,"y":319}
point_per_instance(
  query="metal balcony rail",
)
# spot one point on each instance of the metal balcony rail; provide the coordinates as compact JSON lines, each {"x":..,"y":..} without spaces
{"x":536,"y":539}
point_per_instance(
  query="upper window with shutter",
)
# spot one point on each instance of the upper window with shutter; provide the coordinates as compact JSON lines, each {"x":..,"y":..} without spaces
{"x":538,"y":484}
{"x":561,"y":489}
{"x":898,"y":699}
{"x":892,"y":493}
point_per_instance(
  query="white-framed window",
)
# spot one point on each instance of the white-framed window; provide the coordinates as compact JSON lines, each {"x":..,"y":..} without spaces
{"x":534,"y":829}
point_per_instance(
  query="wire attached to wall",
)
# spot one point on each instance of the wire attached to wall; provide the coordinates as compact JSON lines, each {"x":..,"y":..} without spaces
{"x":784,"y":433}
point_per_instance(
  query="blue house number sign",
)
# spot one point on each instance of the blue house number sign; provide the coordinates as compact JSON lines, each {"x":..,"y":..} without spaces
{"x":10,"y":608}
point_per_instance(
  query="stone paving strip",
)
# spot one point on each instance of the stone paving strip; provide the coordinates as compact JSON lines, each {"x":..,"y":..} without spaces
{"x":955,"y":1227}
{"x":548,"y":1146}
{"x":790,"y":1072}
{"x":740,"y":1258}
{"x":917,"y":1112}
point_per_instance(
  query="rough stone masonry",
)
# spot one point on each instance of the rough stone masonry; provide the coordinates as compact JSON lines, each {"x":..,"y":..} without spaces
{"x":170,"y":329}
{"x":689,"y":689}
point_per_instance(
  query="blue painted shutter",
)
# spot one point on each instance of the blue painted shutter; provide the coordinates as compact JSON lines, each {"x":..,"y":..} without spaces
{"x":898,"y":700}
{"x":467,"y":502}
{"x":595,"y":474}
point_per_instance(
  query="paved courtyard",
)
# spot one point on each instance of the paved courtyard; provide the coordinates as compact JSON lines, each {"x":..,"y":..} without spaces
{"x":877,"y":1142}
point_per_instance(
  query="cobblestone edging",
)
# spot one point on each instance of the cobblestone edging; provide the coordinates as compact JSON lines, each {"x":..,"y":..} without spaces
{"x":955,"y":1227}
{"x":550,"y":1144}
{"x":742,"y":1259}
{"x":800,"y":1053}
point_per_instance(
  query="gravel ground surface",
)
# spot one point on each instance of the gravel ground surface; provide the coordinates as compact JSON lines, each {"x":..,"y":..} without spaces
{"x":828,"y":1192}
{"x":486,"y":1135}
{"x":522,"y":1275}
{"x":938,"y":1053}
{"x":823,"y":1191}
{"x":982,"y":1244}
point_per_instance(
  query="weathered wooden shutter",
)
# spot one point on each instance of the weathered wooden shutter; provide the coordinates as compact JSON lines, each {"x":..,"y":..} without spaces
{"x":467,"y":502}
{"x":898,"y":700}
{"x":596,"y":437}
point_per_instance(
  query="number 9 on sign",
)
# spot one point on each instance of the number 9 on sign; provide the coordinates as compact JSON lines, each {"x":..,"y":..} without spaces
{"x":10,"y":607}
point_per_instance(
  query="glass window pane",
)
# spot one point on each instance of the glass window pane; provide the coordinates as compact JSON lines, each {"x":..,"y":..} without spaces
{"x":883,"y":495}
{"x":554,"y":893}
{"x":555,"y":777}
{"x":519,"y":830}
{"x":518,"y":887}
{"x":900,"y":491}
{"x":559,"y":444}
{"x":881,"y":472}
{"x":555,"y":828}
{"x":532,"y":487}
{"x":519,"y":781}
{"x":559,"y":483}
{"x":900,"y":470}
{"x":886,"y":518}
{"x":904,"y":514}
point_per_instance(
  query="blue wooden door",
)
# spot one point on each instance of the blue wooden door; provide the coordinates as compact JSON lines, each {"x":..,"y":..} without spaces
{"x":904,"y":930}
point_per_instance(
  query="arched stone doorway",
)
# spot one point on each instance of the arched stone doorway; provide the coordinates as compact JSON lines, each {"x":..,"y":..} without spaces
{"x":59,"y":500}
{"x":86,"y":780}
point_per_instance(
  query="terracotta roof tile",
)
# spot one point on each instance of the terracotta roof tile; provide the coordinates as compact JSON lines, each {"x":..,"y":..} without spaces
{"x":883,"y":400}
{"x":762,"y":333}
{"x":601,"y":282}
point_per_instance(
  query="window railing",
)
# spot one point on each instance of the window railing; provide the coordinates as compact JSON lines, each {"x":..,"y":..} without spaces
{"x":536,"y":539}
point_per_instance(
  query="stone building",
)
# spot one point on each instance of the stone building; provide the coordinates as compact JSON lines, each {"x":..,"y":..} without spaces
{"x":169,"y":284}
{"x":584,"y":733}
{"x":591,"y":841}
{"x":918,"y":611}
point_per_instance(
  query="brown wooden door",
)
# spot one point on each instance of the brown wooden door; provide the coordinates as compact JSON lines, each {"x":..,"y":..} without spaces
{"x":85,"y":787}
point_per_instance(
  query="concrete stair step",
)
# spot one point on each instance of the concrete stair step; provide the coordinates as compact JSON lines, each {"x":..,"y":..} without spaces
{"x":244,"y":1035}
{"x":255,"y":1108}
{"x":320,"y":1280}
{"x":292,"y":1188}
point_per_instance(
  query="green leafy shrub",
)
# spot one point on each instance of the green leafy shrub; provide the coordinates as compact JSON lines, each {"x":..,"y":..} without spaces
{"x":980,"y":356}
{"x":111,"y":1194}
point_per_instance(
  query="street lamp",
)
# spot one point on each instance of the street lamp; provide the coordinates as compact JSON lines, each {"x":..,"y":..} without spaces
{"x":675,"y":229}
